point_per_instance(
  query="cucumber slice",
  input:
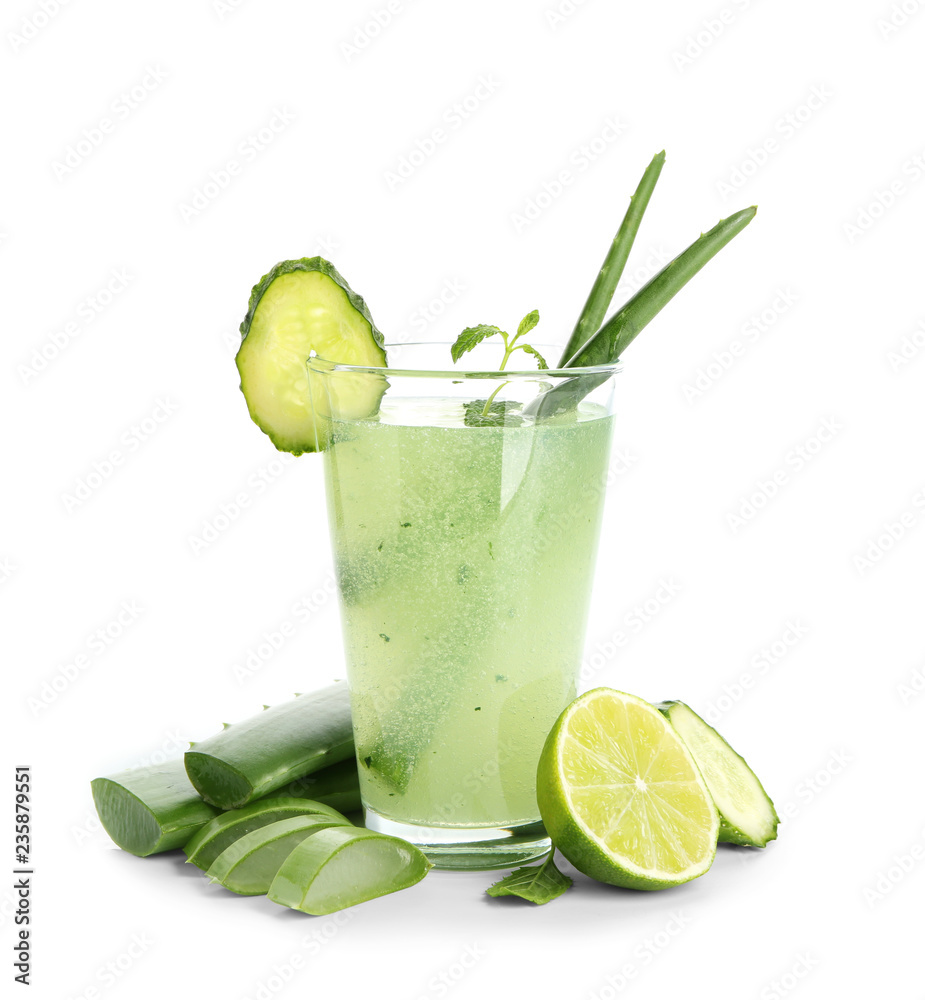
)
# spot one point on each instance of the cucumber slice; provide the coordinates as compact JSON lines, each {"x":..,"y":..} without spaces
{"x":210,"y":840}
{"x":343,"y":866}
{"x":267,"y":751}
{"x":337,"y":786}
{"x":249,"y":865}
{"x":298,"y":307}
{"x":149,"y":810}
{"x":746,"y":813}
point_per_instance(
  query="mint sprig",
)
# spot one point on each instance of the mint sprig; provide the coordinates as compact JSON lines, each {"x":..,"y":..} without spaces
{"x":472,"y":336}
{"x":536,"y":883}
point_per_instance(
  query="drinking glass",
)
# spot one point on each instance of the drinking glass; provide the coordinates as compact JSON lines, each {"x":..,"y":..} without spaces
{"x":464,"y":507}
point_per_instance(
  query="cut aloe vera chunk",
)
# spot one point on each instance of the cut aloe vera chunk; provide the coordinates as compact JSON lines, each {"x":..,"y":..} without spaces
{"x":746,"y":812}
{"x":250,"y":864}
{"x":210,"y":840}
{"x":337,"y":786}
{"x":342,"y":866}
{"x":252,"y":758}
{"x":302,"y":306}
{"x":149,"y":810}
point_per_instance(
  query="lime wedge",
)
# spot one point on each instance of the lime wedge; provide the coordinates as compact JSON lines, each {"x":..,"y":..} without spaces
{"x":621,"y":795}
{"x":298,"y":307}
{"x":746,"y":813}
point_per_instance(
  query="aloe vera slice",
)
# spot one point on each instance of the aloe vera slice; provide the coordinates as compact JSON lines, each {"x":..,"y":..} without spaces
{"x":250,"y":759}
{"x":343,"y":866}
{"x":337,"y":786}
{"x":298,"y":307}
{"x":249,"y":865}
{"x":149,"y":810}
{"x":210,"y":840}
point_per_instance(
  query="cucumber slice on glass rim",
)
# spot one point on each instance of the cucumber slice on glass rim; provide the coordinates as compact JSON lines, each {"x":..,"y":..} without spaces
{"x":300,"y":307}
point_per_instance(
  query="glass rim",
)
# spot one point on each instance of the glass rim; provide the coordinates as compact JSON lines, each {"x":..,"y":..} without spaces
{"x":454,"y":373}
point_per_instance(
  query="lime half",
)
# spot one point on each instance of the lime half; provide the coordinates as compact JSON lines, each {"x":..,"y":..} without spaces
{"x":746,"y":813}
{"x":621,"y":795}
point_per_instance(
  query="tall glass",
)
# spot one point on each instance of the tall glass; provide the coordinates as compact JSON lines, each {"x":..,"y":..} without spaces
{"x":465,"y":508}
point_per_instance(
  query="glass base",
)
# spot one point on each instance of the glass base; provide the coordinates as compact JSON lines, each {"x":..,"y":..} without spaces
{"x":470,"y":849}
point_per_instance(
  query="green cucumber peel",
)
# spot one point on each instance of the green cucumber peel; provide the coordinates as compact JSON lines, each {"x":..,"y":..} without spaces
{"x":608,"y":344}
{"x":747,"y":816}
{"x":320,"y":265}
{"x":249,"y":864}
{"x":149,"y":810}
{"x":252,"y":758}
{"x":221,"y":832}
{"x":605,"y":284}
{"x":341,"y":866}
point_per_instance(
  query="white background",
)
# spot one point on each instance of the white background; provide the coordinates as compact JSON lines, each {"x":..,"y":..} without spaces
{"x":809,"y":109}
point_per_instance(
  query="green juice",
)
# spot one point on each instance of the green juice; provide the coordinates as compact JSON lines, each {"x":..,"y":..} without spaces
{"x":465,"y":560}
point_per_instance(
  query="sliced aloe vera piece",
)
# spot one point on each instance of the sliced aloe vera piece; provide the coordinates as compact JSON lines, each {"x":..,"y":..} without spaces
{"x":746,"y":812}
{"x":252,"y":758}
{"x":210,"y":840}
{"x":342,"y":866}
{"x":149,"y":810}
{"x":250,"y":864}
{"x":298,"y":307}
{"x":337,"y":786}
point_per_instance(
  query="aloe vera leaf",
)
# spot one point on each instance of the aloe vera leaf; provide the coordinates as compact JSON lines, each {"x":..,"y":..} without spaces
{"x":605,"y":284}
{"x":564,"y":396}
{"x":342,"y":866}
{"x":252,"y":758}
{"x":249,"y":865}
{"x":609,"y":343}
{"x":148,"y":810}
{"x":222,"y":831}
{"x":337,"y":785}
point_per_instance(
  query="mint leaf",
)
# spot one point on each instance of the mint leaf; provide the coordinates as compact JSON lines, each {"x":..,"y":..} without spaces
{"x":501,"y":413}
{"x":471,"y":337}
{"x":540,"y":360}
{"x":537,"y":884}
{"x":528,"y":323}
